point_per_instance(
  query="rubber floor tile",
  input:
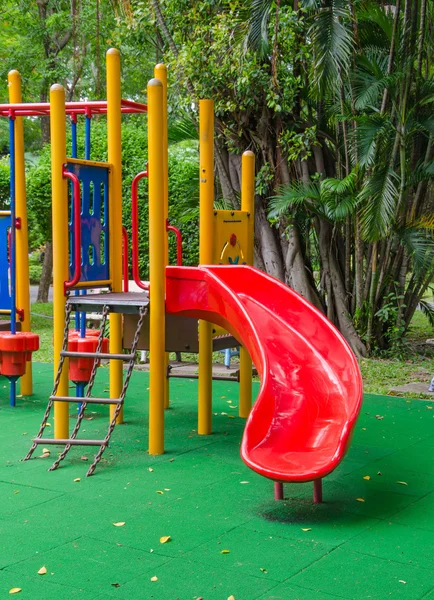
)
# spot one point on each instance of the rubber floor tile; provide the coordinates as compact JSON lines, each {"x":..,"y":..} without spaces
{"x":356,"y":576}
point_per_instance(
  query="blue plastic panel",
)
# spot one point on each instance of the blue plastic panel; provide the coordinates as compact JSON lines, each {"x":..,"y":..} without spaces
{"x":5,"y":292}
{"x":95,"y":258}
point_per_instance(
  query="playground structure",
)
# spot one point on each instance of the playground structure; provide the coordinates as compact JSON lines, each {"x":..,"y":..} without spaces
{"x":17,"y":344}
{"x":301,"y":424}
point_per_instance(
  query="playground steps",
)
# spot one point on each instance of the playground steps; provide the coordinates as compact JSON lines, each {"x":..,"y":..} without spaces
{"x":106,"y":303}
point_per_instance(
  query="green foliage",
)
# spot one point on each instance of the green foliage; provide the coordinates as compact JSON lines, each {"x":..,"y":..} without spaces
{"x":38,"y":189}
{"x":394,"y":330}
{"x":4,"y":183}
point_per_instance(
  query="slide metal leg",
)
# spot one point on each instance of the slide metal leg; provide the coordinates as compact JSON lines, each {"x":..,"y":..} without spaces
{"x":317,"y":491}
{"x":278,"y":490}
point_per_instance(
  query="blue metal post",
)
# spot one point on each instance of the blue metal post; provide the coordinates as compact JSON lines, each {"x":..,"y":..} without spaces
{"x":79,"y":389}
{"x":87,"y":137}
{"x":74,"y":135}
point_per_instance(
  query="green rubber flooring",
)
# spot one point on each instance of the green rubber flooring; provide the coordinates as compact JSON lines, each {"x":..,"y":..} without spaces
{"x":373,"y":537}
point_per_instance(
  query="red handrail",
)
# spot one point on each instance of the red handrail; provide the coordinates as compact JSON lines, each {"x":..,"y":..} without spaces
{"x":125,"y":257}
{"x":77,"y":229}
{"x":178,"y":242}
{"x":135,"y":230}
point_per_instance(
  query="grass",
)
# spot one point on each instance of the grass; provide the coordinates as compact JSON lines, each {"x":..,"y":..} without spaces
{"x":42,"y":323}
{"x":379,"y":375}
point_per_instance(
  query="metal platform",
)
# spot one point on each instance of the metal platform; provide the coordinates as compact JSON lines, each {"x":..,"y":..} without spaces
{"x":118,"y":302}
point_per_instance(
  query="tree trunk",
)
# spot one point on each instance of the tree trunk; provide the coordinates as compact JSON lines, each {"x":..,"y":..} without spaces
{"x":47,"y":270}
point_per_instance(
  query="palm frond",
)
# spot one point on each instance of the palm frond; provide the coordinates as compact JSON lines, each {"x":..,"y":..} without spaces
{"x":420,"y":247}
{"x":340,"y":186}
{"x":421,"y":173}
{"x":332,"y":38}
{"x":379,"y":196}
{"x":182,"y":130}
{"x":370,"y":131}
{"x":294,"y":195}
{"x":425,"y":222}
{"x":257,"y":17}
{"x":338,"y":208}
{"x":373,"y":13}
{"x":428,"y":310}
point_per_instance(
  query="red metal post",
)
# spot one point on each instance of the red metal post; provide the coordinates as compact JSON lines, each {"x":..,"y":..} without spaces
{"x":125,"y":257}
{"x":278,"y":490}
{"x":178,"y":242}
{"x":317,"y":491}
{"x":135,"y":230}
{"x":77,"y":228}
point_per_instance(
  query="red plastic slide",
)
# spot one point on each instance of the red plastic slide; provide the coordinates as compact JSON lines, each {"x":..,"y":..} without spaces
{"x":311,"y":388}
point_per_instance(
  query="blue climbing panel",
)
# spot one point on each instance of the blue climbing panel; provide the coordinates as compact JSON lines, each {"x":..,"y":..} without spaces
{"x":5,"y":292}
{"x":94,"y":183}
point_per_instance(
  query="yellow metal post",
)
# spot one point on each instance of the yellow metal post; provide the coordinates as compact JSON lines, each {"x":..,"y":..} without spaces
{"x":114,"y":141}
{"x":60,"y":247}
{"x":157,"y":267}
{"x":22,"y":247}
{"x":160,"y":72}
{"x":248,"y":205}
{"x":206,"y":190}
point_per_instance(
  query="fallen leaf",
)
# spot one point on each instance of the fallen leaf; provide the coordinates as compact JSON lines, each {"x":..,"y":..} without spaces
{"x":45,"y":455}
{"x":379,"y":417}
{"x":45,"y":451}
{"x":402,"y":482}
{"x":42,"y":571}
{"x":429,"y":407}
{"x":367,"y":477}
{"x":120,"y":524}
{"x":160,"y":492}
{"x":171,"y":460}
{"x":263,"y":570}
{"x":231,"y":597}
{"x":77,"y":479}
{"x":244,"y":481}
{"x":165,"y":539}
{"x":402,"y":581}
{"x":47,"y":424}
{"x":223,"y":396}
{"x":15,"y":591}
{"x":84,"y":458}
{"x":306,"y":529}
{"x":224,"y":414}
{"x":231,"y":417}
{"x":116,"y":585}
{"x":225,"y":552}
{"x":150,"y":469}
{"x":379,"y":473}
{"x":167,"y":489}
{"x":363,"y":428}
{"x":154,"y":578}
{"x":359,"y":499}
